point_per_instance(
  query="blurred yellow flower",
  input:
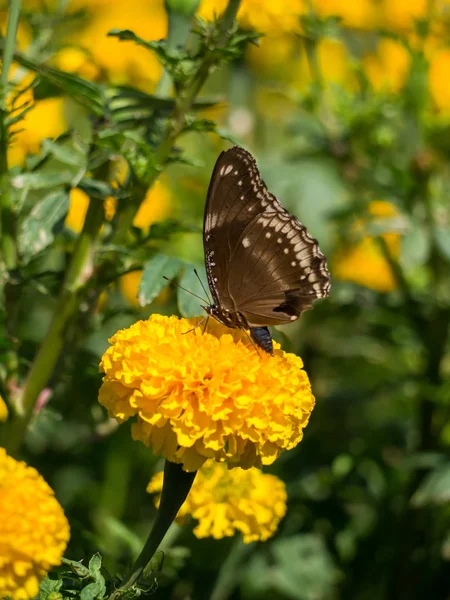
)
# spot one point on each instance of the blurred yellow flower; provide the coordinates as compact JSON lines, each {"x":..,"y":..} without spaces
{"x":76,"y":60}
{"x":359,"y":14}
{"x":79,"y":202}
{"x":125,"y":62}
{"x":388,"y":67}
{"x":224,"y":501}
{"x":3,"y":410}
{"x":364,"y":262}
{"x":129,"y":285}
{"x":265,"y":16}
{"x":200,"y":396}
{"x":438,"y":77}
{"x":33,"y":529}
{"x":156,"y":206}
{"x":44,"y":120}
{"x":402,"y":14}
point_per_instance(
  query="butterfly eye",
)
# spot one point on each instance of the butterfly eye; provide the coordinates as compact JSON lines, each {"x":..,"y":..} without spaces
{"x":263,"y":266}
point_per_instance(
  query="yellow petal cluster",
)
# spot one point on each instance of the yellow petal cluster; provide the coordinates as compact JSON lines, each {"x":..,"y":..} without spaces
{"x":224,"y":501}
{"x":33,"y":529}
{"x":364,"y":262}
{"x":205,"y":395}
{"x":262,"y":15}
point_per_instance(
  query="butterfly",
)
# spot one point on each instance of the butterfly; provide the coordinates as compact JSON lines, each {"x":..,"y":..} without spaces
{"x":262,"y":265}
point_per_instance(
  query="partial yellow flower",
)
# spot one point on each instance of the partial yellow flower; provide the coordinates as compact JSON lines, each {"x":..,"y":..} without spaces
{"x":156,"y":206}
{"x":364,"y":262}
{"x":224,"y":501}
{"x":33,"y":529}
{"x":403,"y":14}
{"x":125,"y":62}
{"x":205,"y":395}
{"x":129,"y":285}
{"x":76,"y":60}
{"x":79,"y":203}
{"x":44,"y":120}
{"x":3,"y":410}
{"x":438,"y":77}
{"x":388,"y":67}
{"x":362,"y":14}
{"x":265,"y":16}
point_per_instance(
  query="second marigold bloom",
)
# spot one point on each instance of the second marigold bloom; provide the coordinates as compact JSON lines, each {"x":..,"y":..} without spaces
{"x":224,"y":501}
{"x":199,"y":396}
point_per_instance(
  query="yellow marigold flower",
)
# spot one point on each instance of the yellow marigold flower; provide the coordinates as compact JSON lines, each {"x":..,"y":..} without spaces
{"x":265,"y":16}
{"x":129,"y":285}
{"x":272,"y":53}
{"x":438,"y":77}
{"x":363,"y":262}
{"x":44,"y":120}
{"x":33,"y":529}
{"x":224,"y":501}
{"x":3,"y":410}
{"x":200,"y":396}
{"x":363,"y":14}
{"x":79,"y":202}
{"x":388,"y":67}
{"x":125,"y":62}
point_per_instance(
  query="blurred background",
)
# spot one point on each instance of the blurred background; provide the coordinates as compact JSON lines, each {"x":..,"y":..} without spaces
{"x":346,"y":107}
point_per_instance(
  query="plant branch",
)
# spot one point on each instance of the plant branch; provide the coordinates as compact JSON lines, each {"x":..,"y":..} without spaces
{"x":8,"y":221}
{"x":78,"y":273}
{"x":183,"y":105}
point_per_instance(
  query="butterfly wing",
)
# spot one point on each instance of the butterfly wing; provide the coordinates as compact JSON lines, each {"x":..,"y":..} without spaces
{"x":261,"y":262}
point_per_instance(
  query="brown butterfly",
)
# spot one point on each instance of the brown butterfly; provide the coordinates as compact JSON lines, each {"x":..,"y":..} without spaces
{"x":262,"y":265}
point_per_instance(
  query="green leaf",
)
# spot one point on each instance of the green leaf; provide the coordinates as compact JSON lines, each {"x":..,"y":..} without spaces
{"x":46,"y":219}
{"x":42,"y":180}
{"x":80,"y":570}
{"x":442,"y":237}
{"x":125,"y":35}
{"x":93,"y":590}
{"x":435,"y":489}
{"x":152,"y":282}
{"x":65,"y":153}
{"x":84,"y":92}
{"x":95,"y":564}
{"x":164,"y":229}
{"x":189,"y":305}
{"x":49,"y":589}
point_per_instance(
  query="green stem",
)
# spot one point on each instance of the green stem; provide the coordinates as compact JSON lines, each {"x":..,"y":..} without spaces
{"x":79,"y":271}
{"x":231,"y":570}
{"x":176,"y":122}
{"x":7,"y":216}
{"x":176,"y":486}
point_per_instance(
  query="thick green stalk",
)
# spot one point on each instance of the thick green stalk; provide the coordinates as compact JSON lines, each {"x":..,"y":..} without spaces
{"x":7,"y":217}
{"x":78,"y":273}
{"x":176,"y":486}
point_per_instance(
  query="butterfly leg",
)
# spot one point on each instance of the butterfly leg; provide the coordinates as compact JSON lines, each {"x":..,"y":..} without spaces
{"x":262,"y":337}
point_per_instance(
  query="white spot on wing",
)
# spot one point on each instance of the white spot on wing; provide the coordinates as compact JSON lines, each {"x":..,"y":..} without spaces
{"x":246,"y":242}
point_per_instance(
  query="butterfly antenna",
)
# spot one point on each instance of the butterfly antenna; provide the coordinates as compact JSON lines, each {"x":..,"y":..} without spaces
{"x":185,"y":290}
{"x":203,"y":287}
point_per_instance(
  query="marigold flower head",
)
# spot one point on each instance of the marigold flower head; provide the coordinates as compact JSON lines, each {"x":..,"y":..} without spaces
{"x":364,"y":262}
{"x":224,"y":501}
{"x":388,"y":67}
{"x":33,"y":529}
{"x":197,"y":396}
{"x":3,"y":410}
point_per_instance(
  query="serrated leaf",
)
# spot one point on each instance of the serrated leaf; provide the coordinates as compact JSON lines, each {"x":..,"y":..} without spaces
{"x":79,"y":569}
{"x":152,"y":282}
{"x":93,"y":590}
{"x":38,"y":229}
{"x":188,"y":304}
{"x":43,"y":180}
{"x":95,"y":564}
{"x":48,"y":587}
{"x":126,"y":35}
